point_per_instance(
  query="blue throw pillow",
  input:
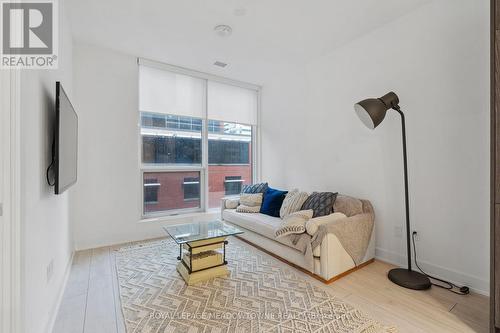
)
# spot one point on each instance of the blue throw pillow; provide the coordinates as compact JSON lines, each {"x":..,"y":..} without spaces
{"x":273,"y":199}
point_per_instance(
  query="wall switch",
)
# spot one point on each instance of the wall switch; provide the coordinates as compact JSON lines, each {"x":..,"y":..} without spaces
{"x":398,"y":232}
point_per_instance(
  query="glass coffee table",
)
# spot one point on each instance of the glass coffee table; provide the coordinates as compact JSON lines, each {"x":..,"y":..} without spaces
{"x":202,"y":249}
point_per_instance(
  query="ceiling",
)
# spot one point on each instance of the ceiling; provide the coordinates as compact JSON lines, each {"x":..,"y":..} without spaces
{"x":269,"y":33}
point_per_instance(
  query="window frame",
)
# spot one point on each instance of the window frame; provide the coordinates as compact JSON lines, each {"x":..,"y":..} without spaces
{"x":203,"y":168}
{"x":156,"y":185}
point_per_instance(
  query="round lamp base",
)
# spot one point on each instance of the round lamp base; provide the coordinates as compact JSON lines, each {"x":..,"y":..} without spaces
{"x":409,"y":279}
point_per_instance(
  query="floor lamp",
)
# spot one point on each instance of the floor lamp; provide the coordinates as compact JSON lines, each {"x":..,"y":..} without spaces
{"x":372,"y":112}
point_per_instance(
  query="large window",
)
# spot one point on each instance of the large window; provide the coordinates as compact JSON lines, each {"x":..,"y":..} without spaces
{"x":197,"y":139}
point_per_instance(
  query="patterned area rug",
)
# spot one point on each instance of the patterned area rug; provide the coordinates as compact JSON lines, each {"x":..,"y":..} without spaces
{"x":261,"y":295}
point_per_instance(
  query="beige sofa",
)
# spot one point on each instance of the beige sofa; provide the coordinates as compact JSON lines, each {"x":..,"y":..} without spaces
{"x":330,"y":258}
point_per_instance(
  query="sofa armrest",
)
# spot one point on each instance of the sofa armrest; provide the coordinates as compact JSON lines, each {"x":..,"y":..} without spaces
{"x":365,"y":217}
{"x":334,"y":259}
{"x":333,"y":256}
{"x":222,"y":206}
{"x":225,"y":202}
{"x":313,"y":224}
{"x":348,"y":224}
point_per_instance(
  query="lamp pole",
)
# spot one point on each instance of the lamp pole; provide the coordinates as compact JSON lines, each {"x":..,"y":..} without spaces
{"x":407,"y":201}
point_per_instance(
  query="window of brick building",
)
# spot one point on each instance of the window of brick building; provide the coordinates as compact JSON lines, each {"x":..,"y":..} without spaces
{"x":192,"y":188}
{"x":197,"y":138}
{"x":232,"y":185}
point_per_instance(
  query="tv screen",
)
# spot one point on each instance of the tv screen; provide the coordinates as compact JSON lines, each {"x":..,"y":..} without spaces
{"x":66,"y":142}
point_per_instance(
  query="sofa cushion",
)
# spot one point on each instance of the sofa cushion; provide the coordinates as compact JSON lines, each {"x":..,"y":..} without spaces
{"x":255,"y":188}
{"x":271,"y":204}
{"x":348,"y":205}
{"x":321,"y":203}
{"x":262,"y":224}
{"x":293,"y":202}
{"x":294,"y":223}
{"x":313,"y":224}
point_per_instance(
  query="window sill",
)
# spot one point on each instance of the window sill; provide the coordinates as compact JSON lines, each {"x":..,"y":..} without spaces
{"x":215,"y":212}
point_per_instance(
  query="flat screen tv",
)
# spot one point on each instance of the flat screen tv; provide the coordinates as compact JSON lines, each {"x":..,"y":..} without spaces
{"x":65,"y":142}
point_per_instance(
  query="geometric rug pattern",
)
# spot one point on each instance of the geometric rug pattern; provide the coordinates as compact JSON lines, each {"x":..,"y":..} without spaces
{"x":260,"y":295}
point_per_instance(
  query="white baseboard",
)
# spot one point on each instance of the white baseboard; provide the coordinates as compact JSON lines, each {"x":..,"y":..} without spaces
{"x":147,"y":229}
{"x":476,"y":284}
{"x":55,"y":309}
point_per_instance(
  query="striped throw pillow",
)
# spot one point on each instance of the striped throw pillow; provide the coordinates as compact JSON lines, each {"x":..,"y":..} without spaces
{"x":294,"y":223}
{"x":255,"y":188}
{"x":251,"y":199}
{"x":293,"y":202}
{"x":248,"y":209}
{"x":250,"y":203}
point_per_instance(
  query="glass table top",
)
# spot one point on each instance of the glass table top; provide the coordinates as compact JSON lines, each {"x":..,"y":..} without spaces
{"x":191,"y":232}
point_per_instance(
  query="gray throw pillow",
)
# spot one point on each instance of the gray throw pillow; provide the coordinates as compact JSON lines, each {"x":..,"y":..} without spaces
{"x":321,"y":203}
{"x":255,"y":188}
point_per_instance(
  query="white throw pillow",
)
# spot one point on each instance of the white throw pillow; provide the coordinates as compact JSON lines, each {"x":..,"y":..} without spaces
{"x":294,"y":223}
{"x":312,"y":225}
{"x":232,"y":203}
{"x":248,"y":209}
{"x":251,"y":199}
{"x":293,"y":202}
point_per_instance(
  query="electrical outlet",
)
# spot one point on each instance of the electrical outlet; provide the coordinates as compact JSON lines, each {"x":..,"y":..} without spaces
{"x":398,"y":232}
{"x":417,"y":235}
{"x":50,"y":270}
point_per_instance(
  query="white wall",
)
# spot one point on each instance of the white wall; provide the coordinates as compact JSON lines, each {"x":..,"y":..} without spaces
{"x":106,"y":206}
{"x":46,"y":229}
{"x":105,"y":202}
{"x":437,"y":60}
{"x":283,"y":106}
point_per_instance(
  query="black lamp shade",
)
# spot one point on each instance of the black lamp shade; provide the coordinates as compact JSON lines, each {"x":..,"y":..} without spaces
{"x":372,"y":111}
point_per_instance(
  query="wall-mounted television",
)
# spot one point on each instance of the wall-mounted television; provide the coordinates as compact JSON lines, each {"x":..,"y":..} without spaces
{"x":65,"y":150}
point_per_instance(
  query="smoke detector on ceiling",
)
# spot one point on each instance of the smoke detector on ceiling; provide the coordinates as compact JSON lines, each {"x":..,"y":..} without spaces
{"x":223,"y":30}
{"x":220,"y":64}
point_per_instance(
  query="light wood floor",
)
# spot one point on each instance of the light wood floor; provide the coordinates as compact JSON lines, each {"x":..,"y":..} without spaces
{"x":91,"y":301}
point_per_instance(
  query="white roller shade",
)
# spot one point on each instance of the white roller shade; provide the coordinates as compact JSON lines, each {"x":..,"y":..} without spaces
{"x":162,"y":91}
{"x":232,"y":104}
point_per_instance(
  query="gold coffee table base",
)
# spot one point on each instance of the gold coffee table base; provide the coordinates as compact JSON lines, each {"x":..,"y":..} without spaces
{"x":206,"y":274}
{"x":203,"y":261}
